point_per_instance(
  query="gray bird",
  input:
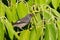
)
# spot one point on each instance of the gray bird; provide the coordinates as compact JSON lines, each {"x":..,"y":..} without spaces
{"x":24,"y":21}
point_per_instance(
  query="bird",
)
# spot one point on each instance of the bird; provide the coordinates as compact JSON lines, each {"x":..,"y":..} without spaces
{"x":23,"y":21}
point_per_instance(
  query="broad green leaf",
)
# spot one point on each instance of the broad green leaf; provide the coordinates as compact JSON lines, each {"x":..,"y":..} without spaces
{"x":14,"y":13}
{"x":9,"y":14}
{"x":56,"y":13}
{"x":2,"y":10}
{"x":59,"y":1}
{"x":39,"y":25}
{"x":48,"y":1}
{"x":0,"y":0}
{"x":30,"y":2}
{"x":39,"y":30}
{"x":37,"y":2}
{"x":25,"y":35}
{"x":47,"y":15}
{"x":9,"y":27}
{"x":22,"y":10}
{"x":55,"y":3}
{"x":13,"y":2}
{"x":40,"y":2}
{"x":58,"y":24}
{"x":50,"y":31}
{"x":1,"y":30}
{"x":33,"y":34}
{"x":38,"y":17}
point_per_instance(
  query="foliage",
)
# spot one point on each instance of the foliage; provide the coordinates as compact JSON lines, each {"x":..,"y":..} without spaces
{"x":44,"y":25}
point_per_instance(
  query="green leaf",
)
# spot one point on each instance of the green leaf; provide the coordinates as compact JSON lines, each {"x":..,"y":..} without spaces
{"x":48,"y":1}
{"x":38,"y":25}
{"x":47,"y":15}
{"x":14,"y":13}
{"x":33,"y":34}
{"x":2,"y":10}
{"x":9,"y":14}
{"x":30,"y":2}
{"x":56,"y":13}
{"x":58,"y":24}
{"x":38,"y":17}
{"x":59,"y":1}
{"x":22,"y":10}
{"x":39,"y":30}
{"x":25,"y":35}
{"x":55,"y":3}
{"x":9,"y":27}
{"x":50,"y":31}
{"x":37,"y":2}
{"x":13,"y":2}
{"x":1,"y":30}
{"x":40,"y":2}
{"x":0,"y":0}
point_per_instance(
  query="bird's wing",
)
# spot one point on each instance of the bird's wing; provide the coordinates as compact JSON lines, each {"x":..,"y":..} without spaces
{"x":20,"y":25}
